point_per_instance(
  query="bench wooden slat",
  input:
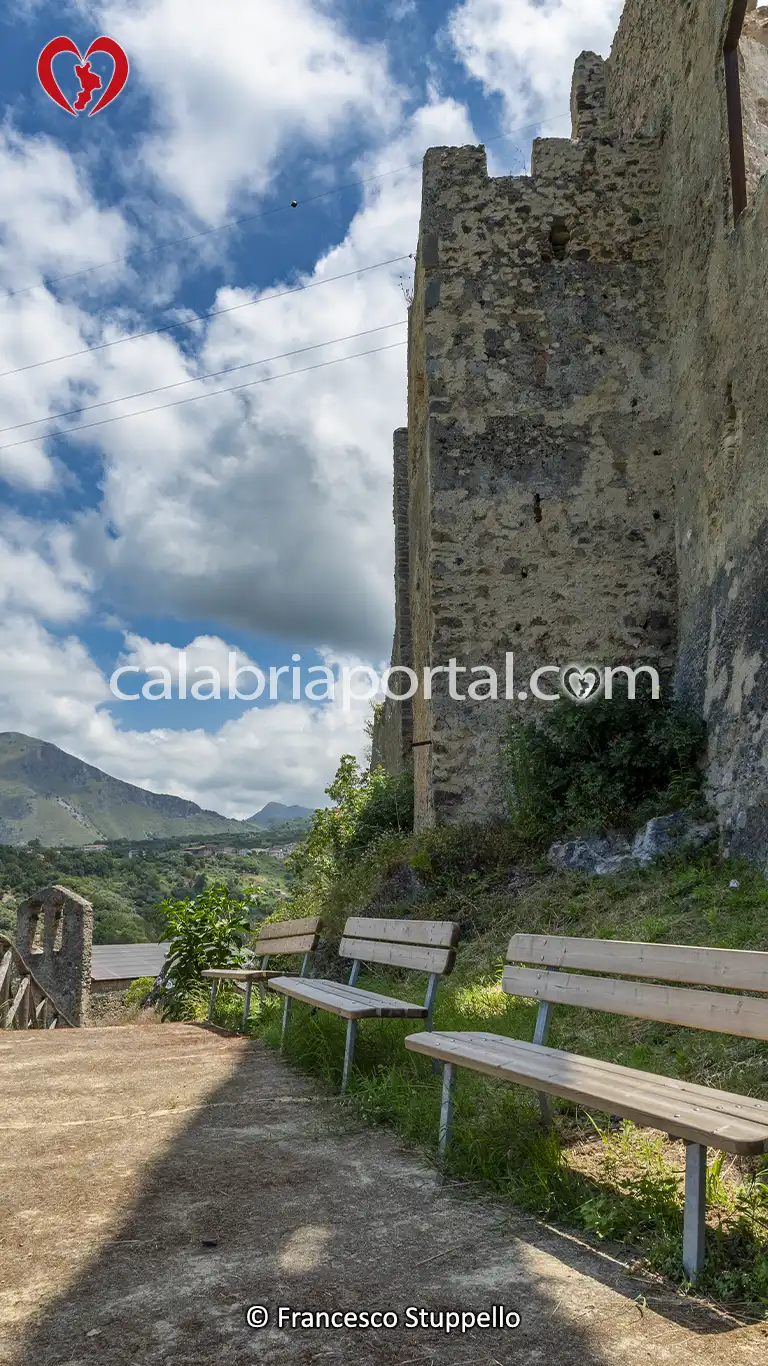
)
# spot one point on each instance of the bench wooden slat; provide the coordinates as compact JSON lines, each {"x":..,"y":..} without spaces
{"x":436,"y":934}
{"x":239,"y":974}
{"x":648,"y":1084}
{"x":361,"y":994}
{"x":738,"y":968}
{"x":740,"y":1015}
{"x":299,"y":943}
{"x":349,"y":1002}
{"x":286,"y":929}
{"x":417,"y":957}
{"x":575,"y":1078}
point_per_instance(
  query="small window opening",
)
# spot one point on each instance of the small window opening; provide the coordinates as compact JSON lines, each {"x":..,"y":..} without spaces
{"x":37,"y":945}
{"x":559,"y":237}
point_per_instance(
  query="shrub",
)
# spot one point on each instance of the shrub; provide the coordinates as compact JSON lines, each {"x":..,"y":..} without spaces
{"x":205,"y":931}
{"x":139,"y":990}
{"x":367,"y":807}
{"x":602,"y":765}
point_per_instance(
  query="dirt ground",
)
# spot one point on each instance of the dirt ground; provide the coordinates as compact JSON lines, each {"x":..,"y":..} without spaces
{"x":158,"y":1181}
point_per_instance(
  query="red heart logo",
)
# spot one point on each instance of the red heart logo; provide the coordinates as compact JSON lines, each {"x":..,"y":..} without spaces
{"x":89,"y":81}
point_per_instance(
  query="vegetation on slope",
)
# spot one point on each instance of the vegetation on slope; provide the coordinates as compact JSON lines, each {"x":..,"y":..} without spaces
{"x":613,"y":1182}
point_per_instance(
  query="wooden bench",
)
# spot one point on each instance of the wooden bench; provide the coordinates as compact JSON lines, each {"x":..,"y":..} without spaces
{"x":284,"y":937}
{"x":700,"y":1115}
{"x":421,"y":945}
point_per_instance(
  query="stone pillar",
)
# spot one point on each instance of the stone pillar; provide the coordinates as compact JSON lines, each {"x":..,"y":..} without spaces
{"x":589,"y":97}
{"x":54,"y":934}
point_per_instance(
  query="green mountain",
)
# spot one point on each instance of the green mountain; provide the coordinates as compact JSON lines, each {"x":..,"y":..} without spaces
{"x":275,"y":813}
{"x":49,"y":795}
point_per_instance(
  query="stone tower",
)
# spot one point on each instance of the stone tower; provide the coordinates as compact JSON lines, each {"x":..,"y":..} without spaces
{"x":588,"y":409}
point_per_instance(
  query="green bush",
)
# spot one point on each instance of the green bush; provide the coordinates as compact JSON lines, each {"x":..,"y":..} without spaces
{"x":138,"y":991}
{"x":205,"y":931}
{"x":604,"y":765}
{"x":367,"y":806}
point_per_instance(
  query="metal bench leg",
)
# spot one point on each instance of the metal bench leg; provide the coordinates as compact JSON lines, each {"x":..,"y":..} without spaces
{"x":286,"y":1015}
{"x":247,"y":1006}
{"x":349,"y":1052}
{"x":429,"y":1002}
{"x":540,"y":1036}
{"x":212,"y":1001}
{"x":694,"y":1219}
{"x":446,"y":1107}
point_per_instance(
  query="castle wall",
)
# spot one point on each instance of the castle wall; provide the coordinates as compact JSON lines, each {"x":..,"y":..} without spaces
{"x":394,"y":731}
{"x":666,"y":76}
{"x":540,"y":494}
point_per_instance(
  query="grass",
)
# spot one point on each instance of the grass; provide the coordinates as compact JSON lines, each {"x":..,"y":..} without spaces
{"x":616,"y":1183}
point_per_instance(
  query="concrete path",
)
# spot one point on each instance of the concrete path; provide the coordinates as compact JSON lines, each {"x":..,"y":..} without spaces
{"x":156,"y":1181}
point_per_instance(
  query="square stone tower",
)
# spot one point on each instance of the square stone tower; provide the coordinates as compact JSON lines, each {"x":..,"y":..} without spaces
{"x":540,"y":495}
{"x":587,"y":447}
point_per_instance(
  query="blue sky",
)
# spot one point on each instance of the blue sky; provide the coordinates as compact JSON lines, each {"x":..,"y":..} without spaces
{"x":257,"y":523}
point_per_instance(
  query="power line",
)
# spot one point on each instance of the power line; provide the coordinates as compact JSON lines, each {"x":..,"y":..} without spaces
{"x":194,"y":398}
{"x":194,"y":379}
{"x":212,"y":313}
{"x":254,"y":217}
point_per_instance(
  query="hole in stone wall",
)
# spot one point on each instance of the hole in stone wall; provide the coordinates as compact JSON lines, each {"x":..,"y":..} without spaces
{"x":58,"y":931}
{"x":523,"y":573}
{"x":536,"y":508}
{"x":36,"y":945}
{"x":559,"y":237}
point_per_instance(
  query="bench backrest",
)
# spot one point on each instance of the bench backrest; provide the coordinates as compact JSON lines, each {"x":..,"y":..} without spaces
{"x":288,"y":936}
{"x":716,"y":1010}
{"x":422,"y":945}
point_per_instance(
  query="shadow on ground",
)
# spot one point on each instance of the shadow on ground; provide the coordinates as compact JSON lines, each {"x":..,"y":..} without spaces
{"x":158,"y":1180}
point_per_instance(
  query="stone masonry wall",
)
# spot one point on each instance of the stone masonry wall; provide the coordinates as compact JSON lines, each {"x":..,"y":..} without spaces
{"x":394,"y":733}
{"x":54,"y":934}
{"x":666,"y":77}
{"x":540,"y":488}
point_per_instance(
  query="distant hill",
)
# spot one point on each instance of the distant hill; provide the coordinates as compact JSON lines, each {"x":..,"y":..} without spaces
{"x":49,"y":795}
{"x":275,"y":813}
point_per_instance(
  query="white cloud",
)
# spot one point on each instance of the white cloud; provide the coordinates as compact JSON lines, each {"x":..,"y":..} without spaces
{"x":525,"y":50}
{"x":271,"y":510}
{"x":50,"y":224}
{"x":204,"y":652}
{"x":235,"y":84}
{"x":38,"y":571}
{"x":52,"y":689}
{"x":50,"y":220}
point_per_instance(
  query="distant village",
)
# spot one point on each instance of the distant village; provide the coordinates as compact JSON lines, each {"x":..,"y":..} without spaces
{"x":278,"y":851}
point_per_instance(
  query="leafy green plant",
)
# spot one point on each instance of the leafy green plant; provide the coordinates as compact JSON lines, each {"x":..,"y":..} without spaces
{"x":603,"y":765}
{"x":367,"y":806}
{"x":139,"y":990}
{"x":205,"y":931}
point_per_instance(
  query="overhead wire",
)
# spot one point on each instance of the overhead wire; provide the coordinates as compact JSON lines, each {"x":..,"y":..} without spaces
{"x":211,"y":313}
{"x":195,"y":398}
{"x":194,"y":379}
